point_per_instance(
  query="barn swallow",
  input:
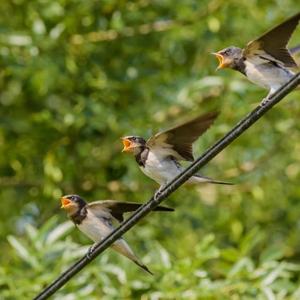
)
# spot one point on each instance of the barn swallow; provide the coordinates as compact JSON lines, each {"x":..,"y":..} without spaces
{"x":159,"y":156}
{"x":266,"y":60}
{"x":95,"y":220}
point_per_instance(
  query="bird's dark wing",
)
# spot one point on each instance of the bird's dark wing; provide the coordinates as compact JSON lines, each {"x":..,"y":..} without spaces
{"x":178,"y":141}
{"x":274,"y":42}
{"x":118,"y":208}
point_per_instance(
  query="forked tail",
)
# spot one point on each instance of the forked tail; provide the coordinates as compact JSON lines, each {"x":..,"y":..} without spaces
{"x":122,"y":247}
{"x":144,"y":267}
{"x":203,"y":179}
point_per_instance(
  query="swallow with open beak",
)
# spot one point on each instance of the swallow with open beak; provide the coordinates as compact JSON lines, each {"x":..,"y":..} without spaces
{"x":265,"y":61}
{"x":95,"y":220}
{"x":159,"y":156}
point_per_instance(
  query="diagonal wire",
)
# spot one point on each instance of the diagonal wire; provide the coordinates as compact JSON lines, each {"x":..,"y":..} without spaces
{"x":173,"y":185}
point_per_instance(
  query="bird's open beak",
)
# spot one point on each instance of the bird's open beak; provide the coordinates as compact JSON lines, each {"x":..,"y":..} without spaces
{"x":65,"y":202}
{"x":127,"y":145}
{"x":221,"y":59}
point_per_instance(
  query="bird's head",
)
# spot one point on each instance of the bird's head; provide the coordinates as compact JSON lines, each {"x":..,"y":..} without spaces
{"x":229,"y":57}
{"x":133,"y":144}
{"x":72,"y":203}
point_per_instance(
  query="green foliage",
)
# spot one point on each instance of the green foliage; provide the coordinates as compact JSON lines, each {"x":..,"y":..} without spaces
{"x":207,"y":273}
{"x":75,"y":76}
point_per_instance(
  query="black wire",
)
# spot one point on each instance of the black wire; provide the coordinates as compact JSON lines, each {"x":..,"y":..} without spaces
{"x":146,"y":208}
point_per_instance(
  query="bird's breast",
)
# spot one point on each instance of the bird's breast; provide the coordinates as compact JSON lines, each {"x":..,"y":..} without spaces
{"x":160,"y":169}
{"x":266,"y":75}
{"x":94,"y":228}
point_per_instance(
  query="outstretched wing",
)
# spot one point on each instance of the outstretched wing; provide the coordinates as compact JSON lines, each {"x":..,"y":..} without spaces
{"x":274,"y":43}
{"x":178,"y":141}
{"x":118,"y":208}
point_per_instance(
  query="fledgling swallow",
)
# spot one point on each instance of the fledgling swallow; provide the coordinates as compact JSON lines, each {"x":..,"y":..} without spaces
{"x":266,"y":60}
{"x":159,"y":156}
{"x":95,"y":220}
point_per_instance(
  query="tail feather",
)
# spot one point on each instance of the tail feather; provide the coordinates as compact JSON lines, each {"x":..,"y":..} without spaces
{"x":164,"y":208}
{"x":123,"y":248}
{"x":203,"y":179}
{"x":219,"y":182}
{"x":144,"y":267}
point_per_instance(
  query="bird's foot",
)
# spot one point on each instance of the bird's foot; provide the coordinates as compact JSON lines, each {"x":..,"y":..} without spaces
{"x":265,"y":101}
{"x":90,"y":251}
{"x":158,"y":192}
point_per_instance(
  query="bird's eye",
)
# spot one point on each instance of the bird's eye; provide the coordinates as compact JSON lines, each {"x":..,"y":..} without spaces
{"x":134,"y":138}
{"x":72,"y":198}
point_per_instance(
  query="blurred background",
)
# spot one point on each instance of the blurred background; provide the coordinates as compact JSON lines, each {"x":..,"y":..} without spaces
{"x":75,"y":76}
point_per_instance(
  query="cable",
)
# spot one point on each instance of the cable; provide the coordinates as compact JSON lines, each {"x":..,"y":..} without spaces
{"x":173,"y":185}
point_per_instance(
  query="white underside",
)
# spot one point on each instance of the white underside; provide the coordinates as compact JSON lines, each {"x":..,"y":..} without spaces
{"x":96,"y":230}
{"x":267,"y":76}
{"x":159,"y":168}
{"x":162,"y":169}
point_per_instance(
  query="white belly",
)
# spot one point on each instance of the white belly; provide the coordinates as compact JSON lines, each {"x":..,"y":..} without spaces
{"x":159,"y":169}
{"x":266,"y":76}
{"x":94,"y":228}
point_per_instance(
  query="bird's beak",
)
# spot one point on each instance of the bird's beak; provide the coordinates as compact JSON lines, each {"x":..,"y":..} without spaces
{"x":127,"y":145}
{"x":221,"y":59}
{"x":64,"y":202}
